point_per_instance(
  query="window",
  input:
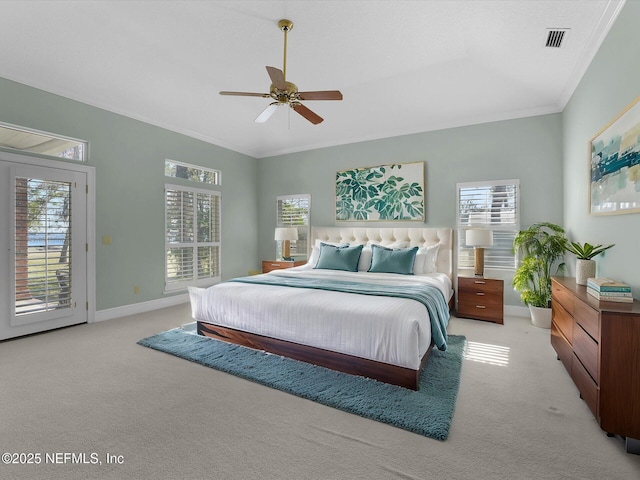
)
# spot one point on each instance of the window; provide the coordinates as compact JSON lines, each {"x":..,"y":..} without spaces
{"x":192,"y":237}
{"x":33,"y":141}
{"x":191,"y":172}
{"x":294,"y":211}
{"x":493,"y":205}
{"x":42,"y":245}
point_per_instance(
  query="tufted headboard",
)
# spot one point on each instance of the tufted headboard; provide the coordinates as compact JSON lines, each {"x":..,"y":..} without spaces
{"x":417,"y":237}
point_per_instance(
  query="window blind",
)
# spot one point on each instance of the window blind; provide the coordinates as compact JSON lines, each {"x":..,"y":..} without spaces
{"x":494,"y":205}
{"x":42,"y":245}
{"x":294,"y":211}
{"x":192,"y":237}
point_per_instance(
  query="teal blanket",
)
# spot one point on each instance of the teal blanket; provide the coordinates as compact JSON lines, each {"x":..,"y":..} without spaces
{"x":431,"y":297}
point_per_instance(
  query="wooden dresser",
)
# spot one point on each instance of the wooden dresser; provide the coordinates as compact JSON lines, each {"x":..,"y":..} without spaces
{"x":599,"y":345}
{"x":481,"y":298}
{"x":268,"y":265}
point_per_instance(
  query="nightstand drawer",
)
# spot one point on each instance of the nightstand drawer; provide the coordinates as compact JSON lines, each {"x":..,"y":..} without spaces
{"x":269,"y":265}
{"x":486,"y":286}
{"x":484,"y":298}
{"x":480,"y":310}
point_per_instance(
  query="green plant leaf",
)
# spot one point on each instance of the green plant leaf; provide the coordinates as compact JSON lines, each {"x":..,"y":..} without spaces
{"x":542,"y":246}
{"x":586,"y":251}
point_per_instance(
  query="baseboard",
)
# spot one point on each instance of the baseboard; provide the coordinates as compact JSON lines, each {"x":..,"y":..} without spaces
{"x":516,"y":311}
{"x":142,"y":307}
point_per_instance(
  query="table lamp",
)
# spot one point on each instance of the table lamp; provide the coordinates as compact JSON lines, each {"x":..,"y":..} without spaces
{"x":479,"y":239}
{"x":285,"y":235}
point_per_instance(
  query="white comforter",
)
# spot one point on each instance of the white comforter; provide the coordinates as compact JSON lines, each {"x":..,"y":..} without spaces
{"x":390,"y":330}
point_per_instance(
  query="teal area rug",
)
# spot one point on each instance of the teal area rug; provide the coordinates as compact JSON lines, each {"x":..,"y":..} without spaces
{"x":427,"y":411}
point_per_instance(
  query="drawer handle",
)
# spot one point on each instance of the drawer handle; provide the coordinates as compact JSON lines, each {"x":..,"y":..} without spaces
{"x":480,"y":293}
{"x":480,"y":282}
{"x":275,"y":264}
{"x":480,"y":306}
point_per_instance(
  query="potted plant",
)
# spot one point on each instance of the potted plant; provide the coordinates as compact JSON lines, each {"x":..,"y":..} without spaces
{"x":541,"y":247}
{"x":585,"y":265}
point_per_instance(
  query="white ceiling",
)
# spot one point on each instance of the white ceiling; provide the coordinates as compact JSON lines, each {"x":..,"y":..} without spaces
{"x":402,"y":66}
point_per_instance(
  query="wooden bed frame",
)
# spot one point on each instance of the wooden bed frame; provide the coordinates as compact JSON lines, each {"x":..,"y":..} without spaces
{"x":402,"y":376}
{"x":384,"y":372}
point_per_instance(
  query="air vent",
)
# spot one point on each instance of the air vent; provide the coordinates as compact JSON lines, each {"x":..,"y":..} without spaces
{"x":555,"y":37}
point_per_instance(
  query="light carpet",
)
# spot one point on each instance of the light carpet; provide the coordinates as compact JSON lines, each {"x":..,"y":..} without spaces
{"x":428,"y":411}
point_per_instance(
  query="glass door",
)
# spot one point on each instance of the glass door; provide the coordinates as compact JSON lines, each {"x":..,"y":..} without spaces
{"x":45,"y":213}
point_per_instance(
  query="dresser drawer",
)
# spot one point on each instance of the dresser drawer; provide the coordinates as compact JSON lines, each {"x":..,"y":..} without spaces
{"x":562,"y":347}
{"x":588,"y":318}
{"x":563,"y":295}
{"x":563,"y":320}
{"x":586,"y":386}
{"x":586,"y":349}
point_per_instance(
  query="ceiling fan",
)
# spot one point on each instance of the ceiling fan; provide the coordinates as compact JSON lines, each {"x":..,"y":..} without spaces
{"x":286,"y":93}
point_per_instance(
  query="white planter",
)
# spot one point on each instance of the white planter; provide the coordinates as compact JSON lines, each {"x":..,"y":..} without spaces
{"x":585,"y":269}
{"x":540,"y":316}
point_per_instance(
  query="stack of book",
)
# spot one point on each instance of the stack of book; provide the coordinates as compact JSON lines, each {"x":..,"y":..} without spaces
{"x":608,"y":290}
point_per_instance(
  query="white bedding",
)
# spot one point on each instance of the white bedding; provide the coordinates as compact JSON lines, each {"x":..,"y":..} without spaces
{"x":390,"y":330}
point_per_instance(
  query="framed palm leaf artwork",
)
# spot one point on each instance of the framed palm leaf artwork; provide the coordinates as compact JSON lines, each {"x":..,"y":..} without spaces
{"x":382,"y":193}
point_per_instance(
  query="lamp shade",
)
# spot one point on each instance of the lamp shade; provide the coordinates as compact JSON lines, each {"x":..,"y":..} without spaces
{"x":286,"y":233}
{"x":479,"y":238}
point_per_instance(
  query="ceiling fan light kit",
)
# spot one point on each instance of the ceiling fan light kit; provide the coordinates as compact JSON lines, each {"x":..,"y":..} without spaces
{"x":286,"y":93}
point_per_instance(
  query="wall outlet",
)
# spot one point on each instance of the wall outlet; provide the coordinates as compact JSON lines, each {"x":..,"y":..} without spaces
{"x":136,"y":290}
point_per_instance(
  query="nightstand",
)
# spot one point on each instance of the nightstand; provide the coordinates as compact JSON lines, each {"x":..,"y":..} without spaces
{"x":481,"y":298}
{"x":268,"y":265}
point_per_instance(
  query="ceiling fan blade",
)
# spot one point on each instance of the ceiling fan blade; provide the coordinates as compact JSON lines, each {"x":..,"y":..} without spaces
{"x":321,"y":95}
{"x":267,"y":112}
{"x":306,"y":113}
{"x":247,"y":94}
{"x":277,"y":77}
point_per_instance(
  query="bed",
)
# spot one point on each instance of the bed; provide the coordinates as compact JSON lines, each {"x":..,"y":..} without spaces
{"x":376,"y":324}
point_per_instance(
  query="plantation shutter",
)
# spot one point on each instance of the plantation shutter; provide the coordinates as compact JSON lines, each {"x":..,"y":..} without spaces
{"x":294,"y":211}
{"x":42,"y":245}
{"x":192,"y":237}
{"x":493,"y":205}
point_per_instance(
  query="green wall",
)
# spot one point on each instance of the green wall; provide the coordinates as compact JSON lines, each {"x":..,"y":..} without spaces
{"x":129,"y":159}
{"x":609,"y":85}
{"x":529,"y":149}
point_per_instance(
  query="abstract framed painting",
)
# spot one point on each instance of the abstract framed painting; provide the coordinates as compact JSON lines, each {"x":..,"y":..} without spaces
{"x":614,"y":165}
{"x":393,"y":192}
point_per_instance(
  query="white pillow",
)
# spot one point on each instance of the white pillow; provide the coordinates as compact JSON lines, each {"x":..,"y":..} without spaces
{"x":418,"y":263}
{"x":431,"y":258}
{"x":394,"y":245}
{"x":335,"y":244}
{"x":365,"y":259}
{"x":315,"y":255}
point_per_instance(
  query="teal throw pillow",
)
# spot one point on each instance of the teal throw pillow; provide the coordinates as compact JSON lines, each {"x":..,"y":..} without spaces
{"x":387,"y":260}
{"x":339,"y":258}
